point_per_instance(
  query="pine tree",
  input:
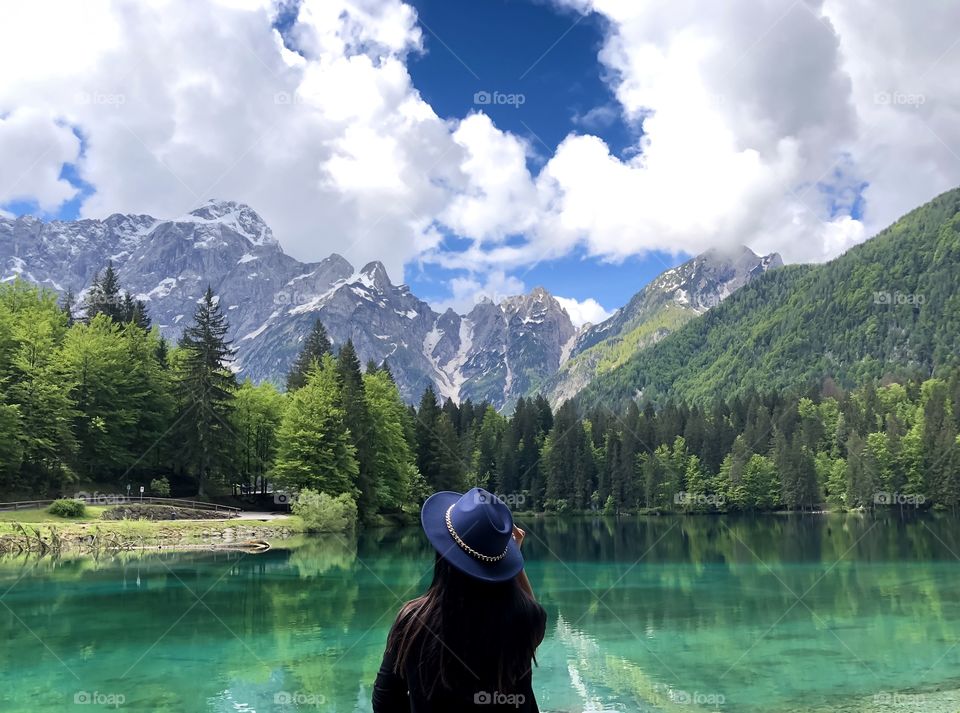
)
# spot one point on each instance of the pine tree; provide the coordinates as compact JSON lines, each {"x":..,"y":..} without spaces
{"x":104,"y":296}
{"x":860,"y":489}
{"x":315,"y":346}
{"x":162,"y":353}
{"x":425,"y":427}
{"x":449,"y":468}
{"x":134,"y":312}
{"x":357,"y":419}
{"x":486,"y":460}
{"x":206,"y":389}
{"x":67,"y":304}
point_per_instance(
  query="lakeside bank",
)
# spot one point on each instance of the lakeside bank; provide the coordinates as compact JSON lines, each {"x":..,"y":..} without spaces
{"x":36,"y":531}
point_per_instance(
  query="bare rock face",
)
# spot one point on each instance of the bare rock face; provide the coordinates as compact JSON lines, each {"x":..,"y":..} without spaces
{"x":497,"y":352}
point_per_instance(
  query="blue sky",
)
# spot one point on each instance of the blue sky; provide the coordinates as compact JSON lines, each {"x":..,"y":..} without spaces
{"x":549,"y":56}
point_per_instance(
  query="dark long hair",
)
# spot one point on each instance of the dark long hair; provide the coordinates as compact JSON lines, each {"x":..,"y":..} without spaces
{"x":463,"y":629}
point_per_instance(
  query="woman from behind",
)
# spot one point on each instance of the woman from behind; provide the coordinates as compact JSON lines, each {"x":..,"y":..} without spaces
{"x":469,"y":642}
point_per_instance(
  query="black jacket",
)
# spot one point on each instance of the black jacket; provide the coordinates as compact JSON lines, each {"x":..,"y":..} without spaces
{"x":404,"y":692}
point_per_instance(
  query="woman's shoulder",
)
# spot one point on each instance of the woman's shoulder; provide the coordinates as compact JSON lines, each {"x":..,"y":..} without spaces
{"x":408,"y":612}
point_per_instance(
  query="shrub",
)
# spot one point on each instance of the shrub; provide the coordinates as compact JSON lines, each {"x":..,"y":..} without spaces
{"x":67,"y":507}
{"x":160,"y":487}
{"x":323,"y":513}
{"x":138,"y":511}
{"x":610,"y":506}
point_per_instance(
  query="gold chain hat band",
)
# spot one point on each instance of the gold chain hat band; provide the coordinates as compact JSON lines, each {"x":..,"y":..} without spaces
{"x":467,"y":548}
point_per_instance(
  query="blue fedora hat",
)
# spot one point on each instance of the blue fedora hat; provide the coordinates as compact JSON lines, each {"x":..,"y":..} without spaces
{"x":474,"y":533}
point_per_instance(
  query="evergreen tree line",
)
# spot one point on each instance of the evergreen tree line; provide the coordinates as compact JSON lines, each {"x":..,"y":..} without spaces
{"x":882,"y":444}
{"x":100,"y":397}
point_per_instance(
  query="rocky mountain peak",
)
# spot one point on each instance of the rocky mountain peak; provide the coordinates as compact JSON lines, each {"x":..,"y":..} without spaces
{"x":671,"y":299}
{"x":497,"y":352}
{"x":704,"y":281}
{"x":239,"y":217}
{"x":374,"y":275}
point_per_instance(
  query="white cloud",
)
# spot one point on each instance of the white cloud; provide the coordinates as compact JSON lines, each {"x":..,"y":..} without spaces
{"x":581,"y":312}
{"x":180,"y":101}
{"x":33,"y":149}
{"x":753,"y":115}
{"x":498,"y":196}
{"x":467,"y":291}
{"x":762,"y":121}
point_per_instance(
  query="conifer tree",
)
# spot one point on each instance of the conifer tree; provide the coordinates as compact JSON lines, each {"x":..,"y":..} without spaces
{"x":104,"y":296}
{"x":206,"y":390}
{"x":394,"y":470}
{"x":357,"y":419}
{"x":315,"y":346}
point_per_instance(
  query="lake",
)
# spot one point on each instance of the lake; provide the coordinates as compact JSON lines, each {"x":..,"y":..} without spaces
{"x":773,"y":613}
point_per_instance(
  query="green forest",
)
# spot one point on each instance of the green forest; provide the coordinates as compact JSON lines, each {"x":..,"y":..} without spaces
{"x":888,"y":305}
{"x":105,"y":400}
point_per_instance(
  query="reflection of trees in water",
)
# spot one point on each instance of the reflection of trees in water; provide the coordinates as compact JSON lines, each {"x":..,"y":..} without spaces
{"x":302,"y":614}
{"x":292,"y":619}
{"x":743,"y":570}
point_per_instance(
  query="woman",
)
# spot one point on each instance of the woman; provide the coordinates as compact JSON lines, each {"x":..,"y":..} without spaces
{"x":469,"y":642}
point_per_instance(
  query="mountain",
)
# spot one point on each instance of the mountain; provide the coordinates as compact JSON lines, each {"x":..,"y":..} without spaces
{"x":889,"y":306}
{"x":496,"y":352}
{"x":668,"y":302}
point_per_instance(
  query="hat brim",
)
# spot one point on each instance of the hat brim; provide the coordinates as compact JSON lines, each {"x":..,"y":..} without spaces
{"x":432,"y":518}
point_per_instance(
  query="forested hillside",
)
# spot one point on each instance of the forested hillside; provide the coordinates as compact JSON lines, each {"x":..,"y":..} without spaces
{"x":105,"y":400}
{"x":835,"y":384}
{"x":888,"y":306}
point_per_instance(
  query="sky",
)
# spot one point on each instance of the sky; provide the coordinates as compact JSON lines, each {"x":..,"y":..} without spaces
{"x":485,"y":147}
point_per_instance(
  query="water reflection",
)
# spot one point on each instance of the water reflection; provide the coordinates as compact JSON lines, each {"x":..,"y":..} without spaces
{"x":764,"y":614}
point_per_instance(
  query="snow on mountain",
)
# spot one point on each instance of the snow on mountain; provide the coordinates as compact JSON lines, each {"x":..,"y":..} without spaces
{"x":496,"y":352}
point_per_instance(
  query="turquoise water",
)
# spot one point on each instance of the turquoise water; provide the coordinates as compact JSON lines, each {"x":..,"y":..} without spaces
{"x":831,"y":613}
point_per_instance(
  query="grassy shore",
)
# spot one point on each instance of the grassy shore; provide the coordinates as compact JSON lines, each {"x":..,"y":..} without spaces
{"x":93,"y":512}
{"x":31,"y":527}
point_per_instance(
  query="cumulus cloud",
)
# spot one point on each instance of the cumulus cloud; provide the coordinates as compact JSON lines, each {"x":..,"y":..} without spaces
{"x":764,"y":122}
{"x":179,"y":101}
{"x":34,"y":146}
{"x":758,"y":119}
{"x":582,"y":312}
